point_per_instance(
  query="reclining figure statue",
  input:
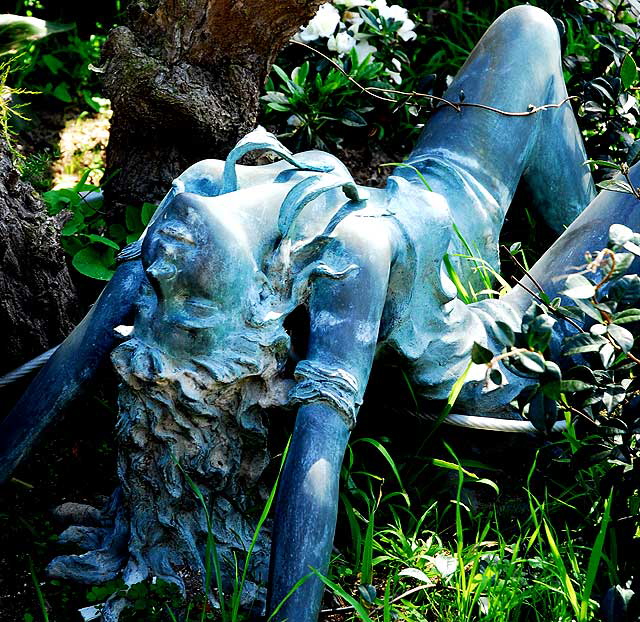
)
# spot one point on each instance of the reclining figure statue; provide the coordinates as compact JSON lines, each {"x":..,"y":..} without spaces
{"x":211,"y":289}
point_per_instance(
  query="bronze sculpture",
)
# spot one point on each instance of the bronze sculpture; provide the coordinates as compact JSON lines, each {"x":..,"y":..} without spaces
{"x":233,"y":251}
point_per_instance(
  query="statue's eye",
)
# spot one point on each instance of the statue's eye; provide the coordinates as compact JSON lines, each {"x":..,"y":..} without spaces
{"x":199,"y":307}
{"x":177,"y":232}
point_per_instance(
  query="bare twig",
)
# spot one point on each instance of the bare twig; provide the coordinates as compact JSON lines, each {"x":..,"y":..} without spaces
{"x":625,"y":171}
{"x":582,"y":414}
{"x":597,"y":262}
{"x":457,"y":106}
{"x":634,"y":358}
{"x":551,"y":309}
{"x":526,"y":272}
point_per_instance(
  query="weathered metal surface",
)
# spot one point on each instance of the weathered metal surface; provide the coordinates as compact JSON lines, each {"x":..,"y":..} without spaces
{"x":233,"y":251}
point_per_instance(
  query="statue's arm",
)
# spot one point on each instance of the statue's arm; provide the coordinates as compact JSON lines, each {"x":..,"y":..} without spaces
{"x":73,"y":364}
{"x":344,"y":320}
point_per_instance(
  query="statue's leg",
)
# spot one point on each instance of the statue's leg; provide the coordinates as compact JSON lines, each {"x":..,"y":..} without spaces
{"x":74,"y":363}
{"x":344,"y":322}
{"x":588,"y":233}
{"x":516,"y":64}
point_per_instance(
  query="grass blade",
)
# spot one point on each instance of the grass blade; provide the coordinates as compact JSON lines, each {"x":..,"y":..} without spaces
{"x":36,"y":585}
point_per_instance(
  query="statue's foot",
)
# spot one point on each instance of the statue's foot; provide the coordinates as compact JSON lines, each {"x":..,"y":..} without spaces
{"x":102,"y":533}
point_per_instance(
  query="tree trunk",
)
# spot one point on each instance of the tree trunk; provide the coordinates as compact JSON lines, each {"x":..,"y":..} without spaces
{"x":184,"y":80}
{"x":37,"y":299}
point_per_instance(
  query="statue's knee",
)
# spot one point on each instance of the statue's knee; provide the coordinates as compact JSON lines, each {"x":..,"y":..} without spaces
{"x":532,"y":28}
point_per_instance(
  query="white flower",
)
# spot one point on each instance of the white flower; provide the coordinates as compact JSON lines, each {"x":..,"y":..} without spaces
{"x":363,"y":49}
{"x":353,"y":19}
{"x":398,"y":14}
{"x":294,"y":120}
{"x":322,"y":25}
{"x":349,"y":4}
{"x":406,"y":30}
{"x":342,"y":43}
{"x":395,"y":75}
{"x":395,"y":12}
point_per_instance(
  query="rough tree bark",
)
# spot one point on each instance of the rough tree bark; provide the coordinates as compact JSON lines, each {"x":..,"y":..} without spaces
{"x":184,"y":80}
{"x":37,"y":299}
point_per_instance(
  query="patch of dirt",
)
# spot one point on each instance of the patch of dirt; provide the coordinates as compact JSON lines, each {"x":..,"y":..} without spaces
{"x":74,"y":140}
{"x":83,"y":141}
{"x":367,"y":163}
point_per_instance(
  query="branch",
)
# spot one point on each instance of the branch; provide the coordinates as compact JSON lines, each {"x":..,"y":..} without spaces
{"x":457,"y":106}
{"x":553,"y":311}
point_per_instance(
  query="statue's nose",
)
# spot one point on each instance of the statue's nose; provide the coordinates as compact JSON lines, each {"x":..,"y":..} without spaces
{"x":162,"y":270}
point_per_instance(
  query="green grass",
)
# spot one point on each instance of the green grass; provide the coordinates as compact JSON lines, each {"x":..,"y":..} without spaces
{"x":431,"y":563}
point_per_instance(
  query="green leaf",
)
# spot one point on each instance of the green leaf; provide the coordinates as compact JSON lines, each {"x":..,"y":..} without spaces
{"x":632,"y":247}
{"x":623,"y":263}
{"x":54,"y":64}
{"x":615,"y":185}
{"x":148,"y":209}
{"x":95,"y":102}
{"x":619,"y":234}
{"x":299,"y":74}
{"x":495,"y":375}
{"x":74,"y":225}
{"x":587,"y":307}
{"x":607,"y":355}
{"x":633,"y":153}
{"x":416,"y":573}
{"x":281,"y":73}
{"x":621,"y":336}
{"x":539,"y":332}
{"x":604,"y":164}
{"x":117,"y":232}
{"x":627,"y":316}
{"x":358,"y":608}
{"x":369,"y":18}
{"x":573,"y":386}
{"x":503,"y":333}
{"x":368,"y":593}
{"x":628,"y":72}
{"x":446,"y":565}
{"x":94,"y":264}
{"x":530,"y":361}
{"x":481,"y":355}
{"x":581,"y":343}
{"x":279,"y":107}
{"x":61,"y":92}
{"x":352,"y":119}
{"x":578,"y":287}
{"x":533,"y":311}
{"x":100,"y":239}
{"x":132,"y":219}
{"x":275,"y":97}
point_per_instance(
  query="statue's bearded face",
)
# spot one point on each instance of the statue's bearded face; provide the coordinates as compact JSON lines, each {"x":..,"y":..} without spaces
{"x":207,"y":301}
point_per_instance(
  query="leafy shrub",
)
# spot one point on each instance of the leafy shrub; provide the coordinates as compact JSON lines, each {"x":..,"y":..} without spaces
{"x":359,"y":43}
{"x":602,"y":40}
{"x":85,"y":237}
